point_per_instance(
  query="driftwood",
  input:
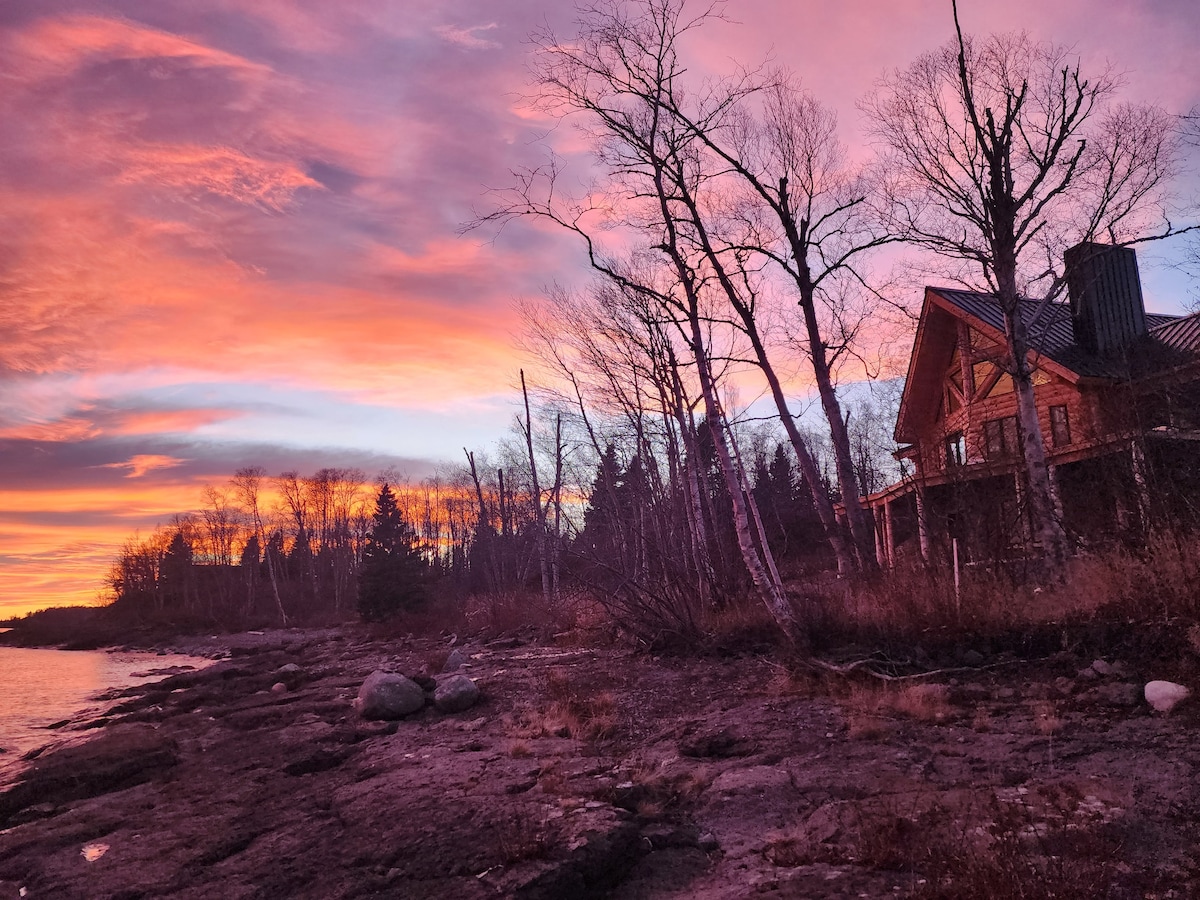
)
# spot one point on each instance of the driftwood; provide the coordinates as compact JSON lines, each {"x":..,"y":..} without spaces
{"x":864,"y":663}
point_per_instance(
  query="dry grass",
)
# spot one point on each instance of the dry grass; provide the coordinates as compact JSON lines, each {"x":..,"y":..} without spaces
{"x":921,"y":702}
{"x":1155,"y":583}
{"x":981,"y":720}
{"x":519,"y":750}
{"x":571,"y":711}
{"x":1046,"y":719}
{"x":520,"y":838}
{"x":744,"y":626}
{"x":1043,"y":844}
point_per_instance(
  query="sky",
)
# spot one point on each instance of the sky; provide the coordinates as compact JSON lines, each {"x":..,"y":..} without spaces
{"x":230,"y":230}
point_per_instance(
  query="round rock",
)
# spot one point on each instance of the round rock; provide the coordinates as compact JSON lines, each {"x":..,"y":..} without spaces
{"x":1165,"y":695}
{"x":386,"y":695}
{"x":455,"y":694}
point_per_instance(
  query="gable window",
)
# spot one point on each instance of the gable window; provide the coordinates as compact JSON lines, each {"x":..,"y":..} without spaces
{"x":1060,"y":426}
{"x":956,"y":449}
{"x":1000,"y":438}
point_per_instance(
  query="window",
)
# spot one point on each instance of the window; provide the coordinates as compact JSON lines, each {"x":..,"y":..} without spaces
{"x":1060,"y":426}
{"x":956,"y":449}
{"x":1000,"y":438}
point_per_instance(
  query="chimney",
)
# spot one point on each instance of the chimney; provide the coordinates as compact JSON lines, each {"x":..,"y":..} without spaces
{"x":1107,"y":313}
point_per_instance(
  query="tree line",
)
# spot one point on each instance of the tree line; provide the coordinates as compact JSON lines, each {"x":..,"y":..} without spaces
{"x":333,"y":545}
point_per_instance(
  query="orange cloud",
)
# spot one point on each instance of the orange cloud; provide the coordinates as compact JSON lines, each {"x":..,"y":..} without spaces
{"x":142,"y":463}
{"x":72,"y":428}
{"x":56,"y":45}
{"x":222,"y":171}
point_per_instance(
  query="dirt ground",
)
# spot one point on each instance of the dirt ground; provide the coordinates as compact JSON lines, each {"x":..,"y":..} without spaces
{"x":609,"y":773}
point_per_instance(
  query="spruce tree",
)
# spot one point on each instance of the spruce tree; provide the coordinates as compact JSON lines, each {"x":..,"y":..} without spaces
{"x":394,"y":576}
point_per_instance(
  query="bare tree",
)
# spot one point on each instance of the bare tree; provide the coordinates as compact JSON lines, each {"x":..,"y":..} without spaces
{"x":739,"y":169}
{"x":248,"y":484}
{"x":1002,"y":154}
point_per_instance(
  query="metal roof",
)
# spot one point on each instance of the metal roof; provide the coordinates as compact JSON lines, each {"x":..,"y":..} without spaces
{"x":1170,"y":340}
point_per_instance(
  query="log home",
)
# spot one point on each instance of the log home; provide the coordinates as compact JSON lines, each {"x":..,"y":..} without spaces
{"x":1118,"y":398}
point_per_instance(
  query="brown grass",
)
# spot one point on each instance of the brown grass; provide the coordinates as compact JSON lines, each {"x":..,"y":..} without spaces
{"x":1155,"y":583}
{"x":1041,"y":845}
{"x":1046,"y":719}
{"x":921,"y":702}
{"x":571,"y":710}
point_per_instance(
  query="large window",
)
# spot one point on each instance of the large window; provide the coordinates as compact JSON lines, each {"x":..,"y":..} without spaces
{"x":956,"y":449}
{"x":1060,"y":426}
{"x":1000,"y":438}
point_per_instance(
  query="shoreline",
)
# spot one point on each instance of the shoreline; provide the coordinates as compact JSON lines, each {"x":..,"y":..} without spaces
{"x":596,"y":771}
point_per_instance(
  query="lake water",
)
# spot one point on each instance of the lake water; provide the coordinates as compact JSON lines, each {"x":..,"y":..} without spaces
{"x":40,"y":687}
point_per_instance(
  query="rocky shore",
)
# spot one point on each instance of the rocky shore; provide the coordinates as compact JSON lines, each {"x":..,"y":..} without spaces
{"x":581,"y":772}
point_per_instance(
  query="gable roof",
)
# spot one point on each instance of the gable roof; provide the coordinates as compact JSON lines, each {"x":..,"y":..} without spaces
{"x":1170,"y":341}
{"x":1051,"y":333}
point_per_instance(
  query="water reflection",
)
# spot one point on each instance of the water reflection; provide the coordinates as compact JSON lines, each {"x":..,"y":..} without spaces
{"x":45,"y":688}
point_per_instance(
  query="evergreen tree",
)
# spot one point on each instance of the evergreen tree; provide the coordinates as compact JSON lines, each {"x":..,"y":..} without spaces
{"x":175,"y":572}
{"x":602,"y":516}
{"x":791,"y":522}
{"x":394,"y":576}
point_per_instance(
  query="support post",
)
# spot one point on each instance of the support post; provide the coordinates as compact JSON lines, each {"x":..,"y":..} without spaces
{"x":889,"y":534}
{"x":922,"y":524}
{"x":880,"y":525}
{"x":1141,"y":483}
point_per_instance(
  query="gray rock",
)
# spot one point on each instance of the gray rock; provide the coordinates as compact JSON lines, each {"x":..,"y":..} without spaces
{"x":1164,"y":696}
{"x":972,"y":658}
{"x":455,"y":661}
{"x":1100,"y":667}
{"x":708,"y":842}
{"x":386,"y":695}
{"x":1119,"y":693}
{"x":1064,"y":685}
{"x":289,"y":669}
{"x":455,"y":694}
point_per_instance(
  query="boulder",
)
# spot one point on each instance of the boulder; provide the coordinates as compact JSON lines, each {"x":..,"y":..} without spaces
{"x":455,"y":694}
{"x":972,"y":658}
{"x":1102,"y":667}
{"x":1165,"y":695}
{"x":386,"y":695}
{"x":455,"y":661}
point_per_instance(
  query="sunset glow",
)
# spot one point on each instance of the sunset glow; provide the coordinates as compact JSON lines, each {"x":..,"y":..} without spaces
{"x":230,"y":232}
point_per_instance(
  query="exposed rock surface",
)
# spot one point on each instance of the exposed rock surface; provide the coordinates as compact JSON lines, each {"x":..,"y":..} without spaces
{"x":210,"y":785}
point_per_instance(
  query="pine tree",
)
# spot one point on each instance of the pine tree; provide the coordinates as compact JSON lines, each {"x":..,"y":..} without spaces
{"x":394,"y":576}
{"x":175,"y":572}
